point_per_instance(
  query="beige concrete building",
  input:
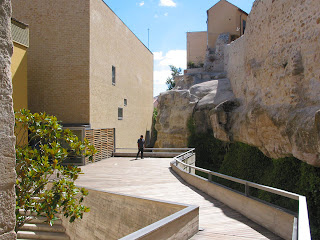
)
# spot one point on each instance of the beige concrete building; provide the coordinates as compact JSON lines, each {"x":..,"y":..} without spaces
{"x":223,"y":17}
{"x":86,"y":67}
{"x":197,"y":47}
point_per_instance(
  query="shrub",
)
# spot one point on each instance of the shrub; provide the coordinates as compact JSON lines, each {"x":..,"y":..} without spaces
{"x":43,"y":184}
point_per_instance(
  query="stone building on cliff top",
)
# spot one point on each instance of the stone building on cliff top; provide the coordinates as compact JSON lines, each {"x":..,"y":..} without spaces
{"x":86,"y":67}
{"x":223,"y":17}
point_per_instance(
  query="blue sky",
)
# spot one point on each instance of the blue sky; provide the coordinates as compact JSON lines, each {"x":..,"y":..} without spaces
{"x":167,"y":21}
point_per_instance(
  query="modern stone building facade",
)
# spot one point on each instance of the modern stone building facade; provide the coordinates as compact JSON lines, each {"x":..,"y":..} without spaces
{"x":7,"y":139}
{"x":86,"y":67}
{"x":223,"y":17}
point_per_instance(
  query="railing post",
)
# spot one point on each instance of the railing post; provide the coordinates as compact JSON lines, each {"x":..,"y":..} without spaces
{"x":189,"y":169}
{"x":295,"y":229}
{"x":209,"y":177}
{"x":247,"y":190}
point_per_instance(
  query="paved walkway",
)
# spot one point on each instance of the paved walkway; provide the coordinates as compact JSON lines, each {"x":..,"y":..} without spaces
{"x":153,"y":178}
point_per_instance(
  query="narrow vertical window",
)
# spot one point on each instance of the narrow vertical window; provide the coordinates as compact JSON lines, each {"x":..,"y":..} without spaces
{"x":113,"y":75}
{"x":120,"y":113}
{"x":125,"y":102}
{"x":243,"y":26}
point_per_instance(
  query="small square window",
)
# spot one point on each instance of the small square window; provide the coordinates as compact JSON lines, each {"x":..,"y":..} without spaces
{"x":120,"y":113}
{"x":125,"y":102}
{"x":113,"y":75}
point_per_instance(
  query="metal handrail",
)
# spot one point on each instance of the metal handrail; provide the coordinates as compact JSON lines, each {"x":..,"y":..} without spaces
{"x":180,"y":155}
{"x":163,"y":149}
{"x":303,"y":228}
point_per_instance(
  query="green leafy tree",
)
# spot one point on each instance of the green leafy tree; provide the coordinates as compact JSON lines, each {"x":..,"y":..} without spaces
{"x":43,"y":184}
{"x":174,"y":73}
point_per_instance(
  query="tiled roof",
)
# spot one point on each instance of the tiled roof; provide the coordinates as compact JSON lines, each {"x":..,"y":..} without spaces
{"x":20,"y":32}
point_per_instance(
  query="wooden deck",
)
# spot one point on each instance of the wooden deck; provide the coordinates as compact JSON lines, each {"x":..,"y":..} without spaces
{"x":153,"y":178}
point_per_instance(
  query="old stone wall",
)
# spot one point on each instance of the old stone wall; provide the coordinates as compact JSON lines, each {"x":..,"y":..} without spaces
{"x":275,"y":74}
{"x":7,"y":139}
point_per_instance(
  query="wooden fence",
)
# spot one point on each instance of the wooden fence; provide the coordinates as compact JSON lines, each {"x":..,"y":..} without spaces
{"x":103,"y":141}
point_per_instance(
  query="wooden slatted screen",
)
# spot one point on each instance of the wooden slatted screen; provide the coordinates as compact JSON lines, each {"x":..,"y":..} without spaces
{"x":103,"y":141}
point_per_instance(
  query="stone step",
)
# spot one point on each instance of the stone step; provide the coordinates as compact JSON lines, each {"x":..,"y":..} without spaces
{"x":29,"y":213}
{"x":42,"y":235}
{"x":43,"y":219}
{"x":43,"y":227}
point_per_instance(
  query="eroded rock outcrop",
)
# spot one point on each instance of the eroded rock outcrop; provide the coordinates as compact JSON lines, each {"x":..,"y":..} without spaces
{"x":178,"y":105}
{"x":175,"y":107}
{"x":196,"y":94}
{"x":271,"y":97}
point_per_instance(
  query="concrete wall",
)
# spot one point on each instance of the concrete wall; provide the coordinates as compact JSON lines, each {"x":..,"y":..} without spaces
{"x":58,"y":57}
{"x":19,"y":76}
{"x":274,"y":219}
{"x":113,"y":216}
{"x":113,"y":44}
{"x":7,"y":139}
{"x":196,"y":47}
{"x":224,"y":17}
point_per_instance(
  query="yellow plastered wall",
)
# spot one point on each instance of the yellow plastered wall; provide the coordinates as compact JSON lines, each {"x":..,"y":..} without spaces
{"x":113,"y":44}
{"x":196,"y":47}
{"x":19,"y":85}
{"x":19,"y":76}
{"x":224,"y":17}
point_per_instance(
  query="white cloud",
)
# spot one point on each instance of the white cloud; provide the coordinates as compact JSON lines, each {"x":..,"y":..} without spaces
{"x":156,"y":16}
{"x":160,"y":77}
{"x":177,"y":58}
{"x":159,"y":88}
{"x":166,"y":14}
{"x":141,"y":4}
{"x":167,"y":3}
{"x":162,"y":71}
{"x":157,"y":56}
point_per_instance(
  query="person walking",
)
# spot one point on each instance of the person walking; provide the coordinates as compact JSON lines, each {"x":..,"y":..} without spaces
{"x":141,"y":144}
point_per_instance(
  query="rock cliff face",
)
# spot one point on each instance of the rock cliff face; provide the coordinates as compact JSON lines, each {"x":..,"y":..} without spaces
{"x":273,"y":99}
